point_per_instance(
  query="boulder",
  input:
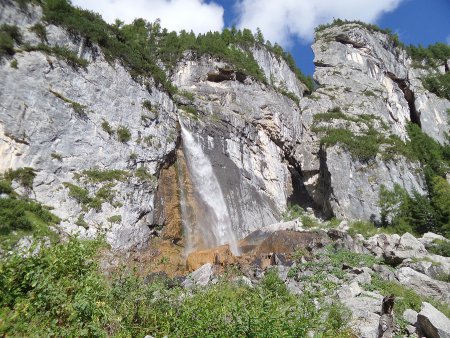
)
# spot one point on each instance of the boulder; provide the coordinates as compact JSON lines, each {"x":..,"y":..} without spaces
{"x":410,"y":316}
{"x":433,"y":322}
{"x":349,"y":291}
{"x":285,"y":241}
{"x":200,"y":277}
{"x":345,"y":241}
{"x":242,"y":280}
{"x":429,"y":237}
{"x":433,"y":266}
{"x":220,"y":255}
{"x":384,"y":272}
{"x":424,"y":285}
{"x":408,"y":247}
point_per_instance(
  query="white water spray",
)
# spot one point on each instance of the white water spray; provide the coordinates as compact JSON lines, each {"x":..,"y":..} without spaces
{"x":215,"y":218}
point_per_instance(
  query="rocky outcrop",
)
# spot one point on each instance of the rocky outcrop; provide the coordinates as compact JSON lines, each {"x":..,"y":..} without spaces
{"x":433,"y":322}
{"x":424,"y":285}
{"x":263,"y":144}
{"x":62,"y":121}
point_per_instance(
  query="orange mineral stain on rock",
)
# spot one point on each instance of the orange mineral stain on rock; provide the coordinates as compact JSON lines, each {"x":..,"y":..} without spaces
{"x":220,"y":255}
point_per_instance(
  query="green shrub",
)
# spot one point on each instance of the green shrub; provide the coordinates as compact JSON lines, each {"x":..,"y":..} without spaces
{"x":115,"y":219}
{"x":56,"y":156}
{"x":142,"y":174}
{"x":40,"y":31}
{"x":97,"y":175}
{"x":60,"y":292}
{"x":20,"y":217}
{"x":106,"y":127}
{"x":14,"y":64}
{"x":292,"y":212}
{"x":147,"y":105}
{"x":123,"y":134}
{"x":79,"y":109}
{"x":81,"y":222}
{"x":438,"y":84}
{"x":435,"y":55}
{"x":440,"y":247}
{"x":67,"y":55}
{"x":80,"y":194}
{"x":367,"y":229}
{"x":24,"y":176}
{"x":6,"y":44}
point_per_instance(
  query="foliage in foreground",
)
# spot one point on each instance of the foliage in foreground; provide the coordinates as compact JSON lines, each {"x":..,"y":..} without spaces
{"x":60,"y":292}
{"x":21,"y":216}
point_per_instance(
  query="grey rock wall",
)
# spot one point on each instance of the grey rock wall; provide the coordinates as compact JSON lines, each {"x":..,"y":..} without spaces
{"x":39,"y":128}
{"x":264,"y":148}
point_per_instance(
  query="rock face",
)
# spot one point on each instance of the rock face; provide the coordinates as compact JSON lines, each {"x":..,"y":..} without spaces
{"x":432,"y":322}
{"x":61,"y":121}
{"x":424,"y":285}
{"x":264,"y":146}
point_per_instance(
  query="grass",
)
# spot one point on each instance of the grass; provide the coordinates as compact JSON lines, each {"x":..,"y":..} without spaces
{"x":115,"y":219}
{"x":60,"y":292}
{"x":123,"y":134}
{"x":365,"y":145}
{"x":107,"y":127}
{"x":56,"y":156}
{"x":61,"y":52}
{"x":22,"y":216}
{"x":143,"y":175}
{"x":40,"y":30}
{"x":78,"y":108}
{"x":24,"y":176}
{"x":97,"y":175}
{"x":440,"y":247}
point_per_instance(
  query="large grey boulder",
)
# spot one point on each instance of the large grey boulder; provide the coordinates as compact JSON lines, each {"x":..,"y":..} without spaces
{"x":200,"y":277}
{"x":433,"y":322}
{"x":424,"y":285}
{"x":410,"y":316}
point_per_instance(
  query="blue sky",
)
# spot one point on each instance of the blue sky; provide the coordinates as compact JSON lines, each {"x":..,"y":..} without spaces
{"x":289,"y":22}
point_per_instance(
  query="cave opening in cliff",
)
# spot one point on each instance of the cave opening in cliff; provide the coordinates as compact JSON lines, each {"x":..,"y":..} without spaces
{"x":410,"y":98}
{"x":300,"y":195}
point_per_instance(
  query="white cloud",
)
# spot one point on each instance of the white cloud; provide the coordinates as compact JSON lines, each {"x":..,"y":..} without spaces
{"x":448,"y":40}
{"x":283,"y":20}
{"x":176,"y":15}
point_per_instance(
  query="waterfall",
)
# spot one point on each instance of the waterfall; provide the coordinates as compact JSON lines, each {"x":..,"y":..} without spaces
{"x":212,"y":220}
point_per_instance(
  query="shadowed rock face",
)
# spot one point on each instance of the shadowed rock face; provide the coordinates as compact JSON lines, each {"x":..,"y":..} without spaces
{"x":264,"y":147}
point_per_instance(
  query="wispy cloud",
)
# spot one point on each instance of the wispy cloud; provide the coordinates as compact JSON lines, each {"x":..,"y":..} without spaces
{"x":197,"y":15}
{"x":284,"y":20}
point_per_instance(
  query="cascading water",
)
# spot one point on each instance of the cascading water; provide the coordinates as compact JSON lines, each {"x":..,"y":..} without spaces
{"x":212,"y":220}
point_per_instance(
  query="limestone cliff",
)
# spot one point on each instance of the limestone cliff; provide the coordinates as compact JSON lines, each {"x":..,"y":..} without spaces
{"x":99,"y":129}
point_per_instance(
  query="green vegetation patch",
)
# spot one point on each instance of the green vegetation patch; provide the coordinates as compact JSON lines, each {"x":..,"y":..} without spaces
{"x":8,"y":35}
{"x":79,"y":109}
{"x":370,"y":27}
{"x":24,"y":176}
{"x":22,"y":216}
{"x":433,"y":56}
{"x":40,"y":31}
{"x":67,"y":55}
{"x":60,"y":292}
{"x":438,"y":84}
{"x":97,"y":175}
{"x":123,"y":134}
{"x":365,"y":145}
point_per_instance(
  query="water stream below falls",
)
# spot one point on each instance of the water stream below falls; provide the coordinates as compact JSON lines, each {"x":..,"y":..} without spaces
{"x":206,"y":220}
